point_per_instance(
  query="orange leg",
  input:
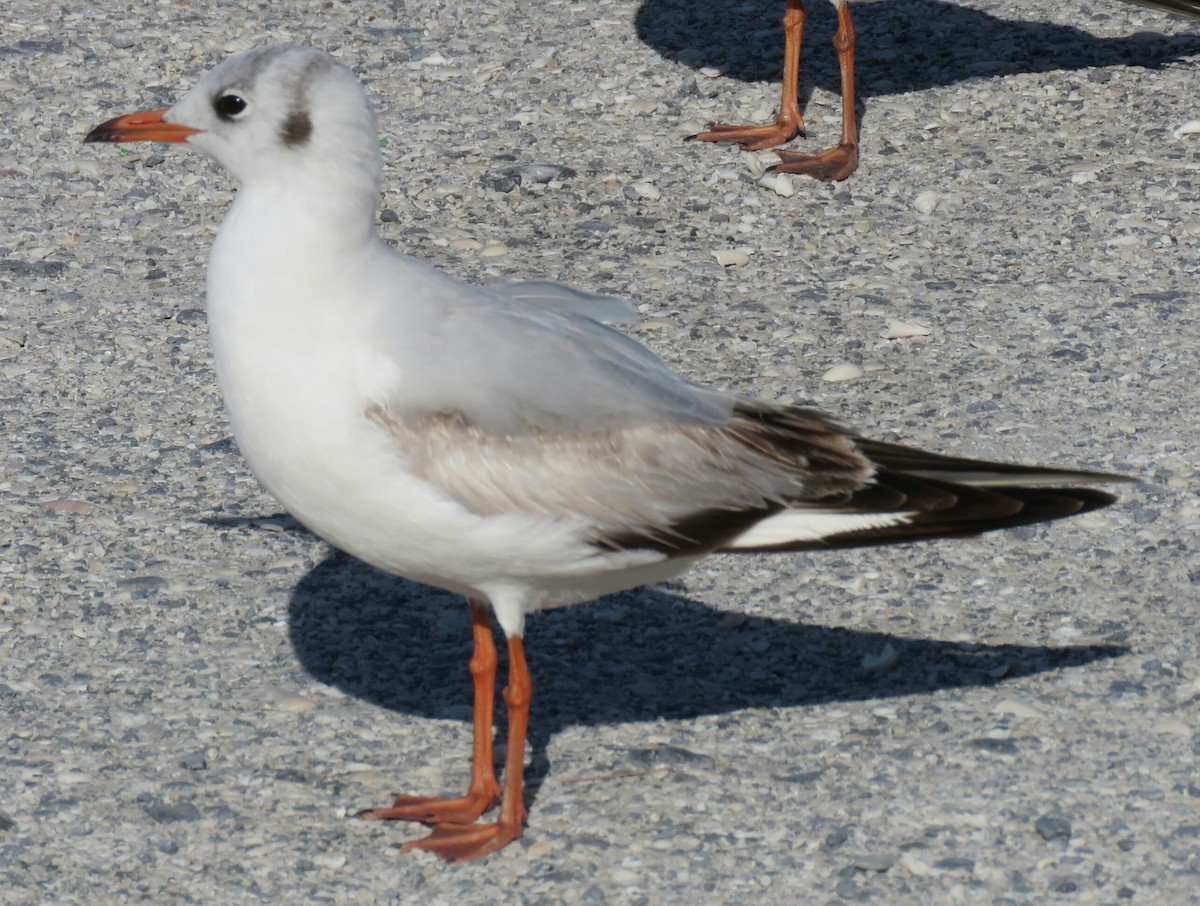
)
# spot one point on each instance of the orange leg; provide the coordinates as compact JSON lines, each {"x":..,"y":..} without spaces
{"x":838,"y":162}
{"x":463,"y":842}
{"x":481,"y":796}
{"x":790,"y":122}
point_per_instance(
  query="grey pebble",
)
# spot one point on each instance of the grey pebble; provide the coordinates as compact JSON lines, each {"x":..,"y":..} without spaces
{"x":33,"y":268}
{"x":666,"y":755}
{"x":142,"y":586}
{"x":1000,"y":746}
{"x":194,"y":761}
{"x":169,"y":812}
{"x":508,"y":178}
{"x":192,"y":316}
{"x":872,"y":862}
{"x":1052,"y":827}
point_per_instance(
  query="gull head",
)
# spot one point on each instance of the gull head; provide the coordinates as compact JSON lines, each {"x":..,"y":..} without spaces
{"x":272,"y":114}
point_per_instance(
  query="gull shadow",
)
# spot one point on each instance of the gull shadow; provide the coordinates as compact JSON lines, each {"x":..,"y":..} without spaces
{"x":903,"y":45}
{"x":638,"y":656}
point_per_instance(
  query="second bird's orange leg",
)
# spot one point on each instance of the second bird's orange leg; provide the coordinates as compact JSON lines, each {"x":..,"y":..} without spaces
{"x":840,"y":161}
{"x":790,"y":121}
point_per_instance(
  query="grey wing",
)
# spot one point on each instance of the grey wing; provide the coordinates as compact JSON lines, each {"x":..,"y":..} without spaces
{"x":509,"y":367}
{"x":558,"y":297}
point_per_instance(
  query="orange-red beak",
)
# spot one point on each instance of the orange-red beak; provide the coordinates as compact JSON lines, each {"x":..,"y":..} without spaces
{"x":147,"y":126}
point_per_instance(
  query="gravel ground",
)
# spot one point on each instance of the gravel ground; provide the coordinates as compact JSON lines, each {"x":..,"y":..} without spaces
{"x":197,"y":695}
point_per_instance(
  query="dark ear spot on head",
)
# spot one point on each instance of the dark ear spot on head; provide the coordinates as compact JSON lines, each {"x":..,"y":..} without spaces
{"x":296,"y":128}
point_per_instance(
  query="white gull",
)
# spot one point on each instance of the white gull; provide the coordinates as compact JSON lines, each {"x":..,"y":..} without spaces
{"x":501,"y":442}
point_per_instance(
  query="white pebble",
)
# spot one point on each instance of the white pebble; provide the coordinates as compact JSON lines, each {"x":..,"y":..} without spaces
{"x":842,"y":372}
{"x":1017,"y":708}
{"x":646,"y":190}
{"x":643,"y":106}
{"x":780,"y":183}
{"x":494,"y":250}
{"x":731,"y":258}
{"x":913,"y":865}
{"x":926,"y":202}
{"x":83,"y":167}
{"x":897,"y":330}
{"x":294,"y":703}
{"x":238,"y":45}
{"x":1191,"y":127}
{"x":881,"y":661}
{"x":1172,"y":726}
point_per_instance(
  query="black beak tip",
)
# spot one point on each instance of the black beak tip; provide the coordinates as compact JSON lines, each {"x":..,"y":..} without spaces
{"x":98,"y":134}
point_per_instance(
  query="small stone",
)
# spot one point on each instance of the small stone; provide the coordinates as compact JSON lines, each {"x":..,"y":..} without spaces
{"x":779,"y":183}
{"x":79,"y":507}
{"x":192,"y":316}
{"x":142,"y":586}
{"x":842,"y":372}
{"x":897,"y":330}
{"x":43,"y":269}
{"x":541,"y":173}
{"x":913,"y":865}
{"x":731,"y":258}
{"x":784,"y":185}
{"x":296,"y":703}
{"x":999,"y":746}
{"x":927,"y":202}
{"x":1172,"y":726}
{"x":194,"y":761}
{"x":1052,"y":827}
{"x":167,"y":813}
{"x":494,"y":250}
{"x":955,"y":863}
{"x":1017,"y":709}
{"x":886,"y":658}
{"x":646,"y":190}
{"x":1191,"y":127}
{"x":499,"y":181}
{"x":873,"y":862}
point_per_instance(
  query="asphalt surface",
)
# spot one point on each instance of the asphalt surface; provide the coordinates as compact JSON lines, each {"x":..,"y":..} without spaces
{"x":196,"y":695}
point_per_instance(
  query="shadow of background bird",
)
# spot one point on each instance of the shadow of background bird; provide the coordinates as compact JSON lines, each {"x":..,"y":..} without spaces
{"x":638,"y":656}
{"x":903,"y":45}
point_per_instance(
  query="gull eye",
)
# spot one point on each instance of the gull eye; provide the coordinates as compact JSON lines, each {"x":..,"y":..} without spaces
{"x":229,"y":106}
